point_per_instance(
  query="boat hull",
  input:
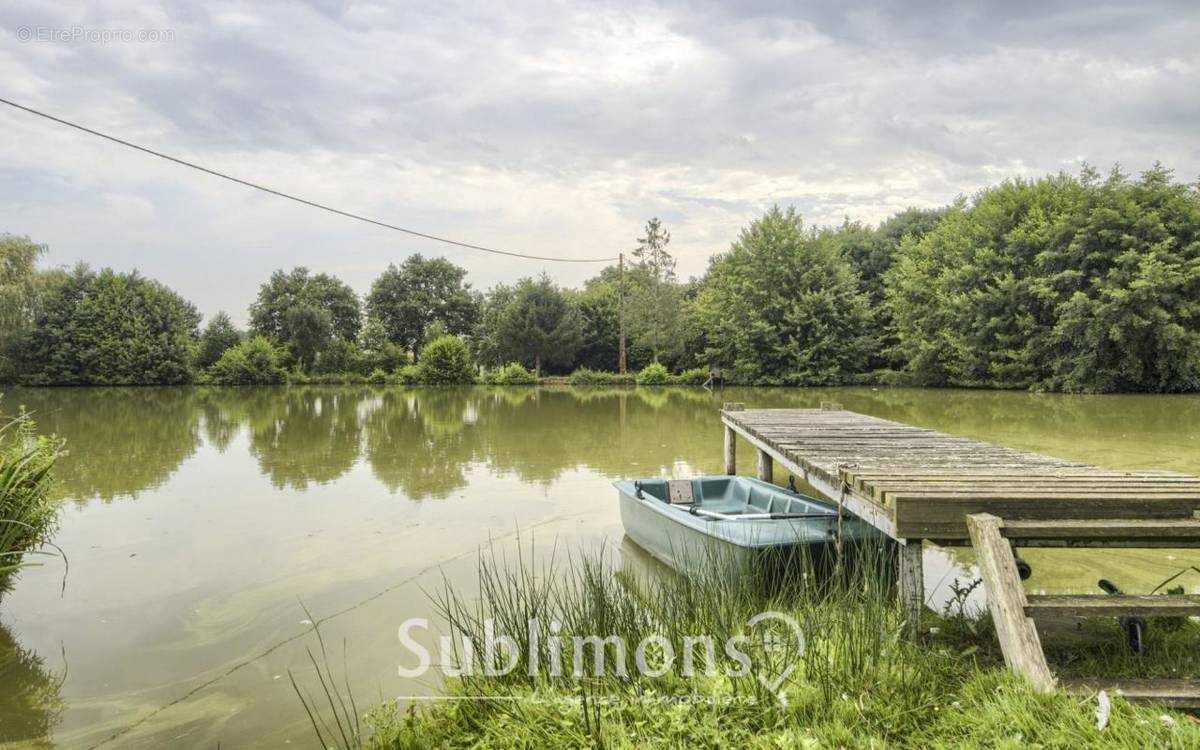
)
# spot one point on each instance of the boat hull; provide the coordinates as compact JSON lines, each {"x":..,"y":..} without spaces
{"x":769,"y":546}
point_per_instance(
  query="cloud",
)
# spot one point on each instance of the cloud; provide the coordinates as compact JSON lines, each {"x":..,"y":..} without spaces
{"x":557,"y":128}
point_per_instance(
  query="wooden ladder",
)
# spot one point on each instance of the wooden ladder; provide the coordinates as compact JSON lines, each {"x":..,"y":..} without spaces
{"x":1013,"y":610}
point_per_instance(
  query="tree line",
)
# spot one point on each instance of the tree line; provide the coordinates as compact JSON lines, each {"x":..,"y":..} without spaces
{"x":1084,"y":283}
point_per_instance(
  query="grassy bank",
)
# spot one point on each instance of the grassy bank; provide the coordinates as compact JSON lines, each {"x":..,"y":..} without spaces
{"x":28,"y":512}
{"x":856,"y":682}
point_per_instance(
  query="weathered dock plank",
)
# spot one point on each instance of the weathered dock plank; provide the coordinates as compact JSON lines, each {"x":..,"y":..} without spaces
{"x":1107,"y":605}
{"x":917,"y":484}
{"x":922,"y":483}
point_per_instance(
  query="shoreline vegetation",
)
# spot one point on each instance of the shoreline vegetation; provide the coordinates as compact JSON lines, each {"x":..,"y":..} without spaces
{"x":28,"y":509}
{"x":858,"y":681}
{"x":1064,"y":283}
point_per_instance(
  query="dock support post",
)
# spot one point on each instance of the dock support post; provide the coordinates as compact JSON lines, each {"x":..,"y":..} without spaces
{"x":1018,"y":636}
{"x":730,"y":451}
{"x":765,"y":466}
{"x":731,"y":439}
{"x":910,"y":573}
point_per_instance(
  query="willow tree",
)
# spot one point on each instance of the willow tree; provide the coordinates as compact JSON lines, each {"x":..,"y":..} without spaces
{"x":18,"y":295}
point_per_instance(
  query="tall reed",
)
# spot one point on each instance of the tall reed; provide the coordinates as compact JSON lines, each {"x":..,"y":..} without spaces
{"x":856,"y":681}
{"x":28,"y":510}
{"x":845,"y":609}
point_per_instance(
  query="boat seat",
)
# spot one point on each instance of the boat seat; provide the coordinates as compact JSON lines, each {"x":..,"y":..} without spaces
{"x":760,"y":500}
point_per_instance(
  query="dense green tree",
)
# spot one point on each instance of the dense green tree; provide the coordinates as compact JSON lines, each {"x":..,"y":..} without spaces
{"x":376,"y":352}
{"x":599,"y":309}
{"x":217,"y":336}
{"x":872,"y":251}
{"x":782,"y":306}
{"x":330,"y":309}
{"x":110,"y":328}
{"x":407,"y":299}
{"x":1059,"y":283}
{"x":653,"y":301}
{"x":309,"y":332}
{"x":538,"y":326}
{"x":487,"y":348}
{"x":445,"y":361}
{"x":255,"y":361}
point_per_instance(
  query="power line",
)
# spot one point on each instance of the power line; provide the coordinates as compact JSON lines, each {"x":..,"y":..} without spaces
{"x":296,"y":198}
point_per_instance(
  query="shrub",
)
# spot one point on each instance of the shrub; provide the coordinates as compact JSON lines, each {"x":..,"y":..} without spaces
{"x":446,"y":361}
{"x":513,"y":373}
{"x":588,"y":376}
{"x":694,"y":376}
{"x":407,"y":375}
{"x":294,"y":377}
{"x":329,"y":378}
{"x":377,"y":377}
{"x":252,"y":362}
{"x":654,"y":373}
{"x":385,"y":356}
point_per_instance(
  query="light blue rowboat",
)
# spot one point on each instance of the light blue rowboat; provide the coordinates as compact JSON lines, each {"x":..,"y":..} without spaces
{"x":686,"y":523}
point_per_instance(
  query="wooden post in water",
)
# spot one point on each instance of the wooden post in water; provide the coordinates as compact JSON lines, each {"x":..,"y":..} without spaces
{"x":910,"y":574}
{"x":765,"y":465}
{"x":731,"y":440}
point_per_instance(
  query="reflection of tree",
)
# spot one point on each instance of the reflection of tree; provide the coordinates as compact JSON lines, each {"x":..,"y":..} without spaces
{"x":220,"y":424}
{"x":608,"y":430}
{"x":419,"y":441}
{"x":31,"y":703}
{"x":119,"y":440}
{"x":423,"y":441}
{"x":303,"y":435}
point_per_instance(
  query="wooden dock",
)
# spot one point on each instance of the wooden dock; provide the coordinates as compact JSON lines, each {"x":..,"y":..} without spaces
{"x":920,"y":485}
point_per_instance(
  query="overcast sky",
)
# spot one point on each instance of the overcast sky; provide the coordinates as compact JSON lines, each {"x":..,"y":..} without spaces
{"x":554,"y":128}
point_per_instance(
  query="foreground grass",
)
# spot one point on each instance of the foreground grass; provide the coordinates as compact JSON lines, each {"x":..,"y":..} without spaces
{"x":985,"y":709}
{"x":857,"y":682}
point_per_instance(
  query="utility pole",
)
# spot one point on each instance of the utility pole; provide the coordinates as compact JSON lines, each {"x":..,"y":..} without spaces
{"x":621,"y":313}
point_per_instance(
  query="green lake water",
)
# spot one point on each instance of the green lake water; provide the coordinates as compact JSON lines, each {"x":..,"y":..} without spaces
{"x":200,"y":523}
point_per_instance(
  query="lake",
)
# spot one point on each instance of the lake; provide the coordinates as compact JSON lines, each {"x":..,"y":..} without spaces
{"x":205,"y":528}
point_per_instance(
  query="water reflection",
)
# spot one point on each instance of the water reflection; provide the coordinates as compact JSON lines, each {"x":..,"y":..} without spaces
{"x":238,"y":502}
{"x":31,"y":703}
{"x":121,"y":440}
{"x":424,"y":442}
{"x":420,"y":443}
